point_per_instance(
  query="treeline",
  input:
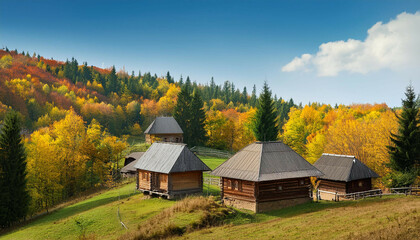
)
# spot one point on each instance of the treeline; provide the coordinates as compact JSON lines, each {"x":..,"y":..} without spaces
{"x":42,"y":89}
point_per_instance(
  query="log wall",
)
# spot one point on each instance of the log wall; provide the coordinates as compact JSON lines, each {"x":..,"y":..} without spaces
{"x":332,"y":186}
{"x":238,"y":189}
{"x":359,"y":185}
{"x":265,"y":191}
{"x":144,"y":178}
{"x":283,"y":189}
{"x":346,"y":187}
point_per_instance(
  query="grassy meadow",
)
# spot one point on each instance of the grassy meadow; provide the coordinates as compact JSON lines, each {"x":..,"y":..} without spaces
{"x":391,"y":217}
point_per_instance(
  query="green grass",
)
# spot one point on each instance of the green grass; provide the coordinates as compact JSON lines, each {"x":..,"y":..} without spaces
{"x":212,"y":162}
{"x":391,"y":217}
{"x":96,"y":216}
{"x":363,"y":219}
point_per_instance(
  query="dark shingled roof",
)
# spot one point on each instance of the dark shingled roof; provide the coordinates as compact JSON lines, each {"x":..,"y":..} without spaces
{"x":265,"y":161}
{"x":170,"y":157}
{"x":164,"y":125}
{"x":343,"y":168}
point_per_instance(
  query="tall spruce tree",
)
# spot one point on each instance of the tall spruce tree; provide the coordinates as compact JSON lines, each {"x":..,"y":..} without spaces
{"x":182,"y":112}
{"x":265,"y":125}
{"x":405,"y":152}
{"x":14,"y":198}
{"x":198,"y":118}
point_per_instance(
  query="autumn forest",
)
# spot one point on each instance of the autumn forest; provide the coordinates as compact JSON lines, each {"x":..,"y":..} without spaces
{"x":80,"y":120}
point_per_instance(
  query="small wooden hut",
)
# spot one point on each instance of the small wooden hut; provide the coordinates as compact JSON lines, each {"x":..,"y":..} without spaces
{"x":164,"y":129}
{"x":170,"y":170}
{"x":130,"y":160}
{"x":343,"y":174}
{"x":132,"y":157}
{"x":265,"y":176}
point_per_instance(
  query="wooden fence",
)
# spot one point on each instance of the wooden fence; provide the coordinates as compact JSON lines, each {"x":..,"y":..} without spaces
{"x":215,"y":181}
{"x":371,"y":193}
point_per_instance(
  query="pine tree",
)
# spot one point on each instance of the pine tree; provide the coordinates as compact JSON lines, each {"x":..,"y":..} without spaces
{"x":182,"y":112}
{"x":198,"y":118}
{"x":253,"y":99}
{"x":405,"y":153}
{"x":13,"y":194}
{"x":265,"y":128}
{"x":169,"y":78}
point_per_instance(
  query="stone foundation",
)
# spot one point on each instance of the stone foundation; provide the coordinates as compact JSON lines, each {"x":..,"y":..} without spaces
{"x":265,"y":206}
{"x":327,"y":196}
{"x":240,"y":204}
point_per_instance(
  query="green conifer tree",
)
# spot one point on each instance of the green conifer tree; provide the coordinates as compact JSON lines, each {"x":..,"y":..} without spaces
{"x":265,"y":125}
{"x":405,"y":152}
{"x":198,"y":118}
{"x":14,"y":198}
{"x":182,"y":112}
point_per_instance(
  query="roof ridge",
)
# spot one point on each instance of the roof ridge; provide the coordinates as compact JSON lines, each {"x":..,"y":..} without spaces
{"x":351,"y":168}
{"x":338,"y":155}
{"x":259,"y":166}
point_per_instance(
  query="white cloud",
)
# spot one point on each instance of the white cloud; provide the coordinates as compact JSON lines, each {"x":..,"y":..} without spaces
{"x":394,"y":45}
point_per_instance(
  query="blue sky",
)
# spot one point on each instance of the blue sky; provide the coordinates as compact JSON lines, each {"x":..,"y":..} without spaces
{"x":246,"y":42}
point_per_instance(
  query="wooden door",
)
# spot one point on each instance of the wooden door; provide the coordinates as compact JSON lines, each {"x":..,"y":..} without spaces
{"x":155,"y":182}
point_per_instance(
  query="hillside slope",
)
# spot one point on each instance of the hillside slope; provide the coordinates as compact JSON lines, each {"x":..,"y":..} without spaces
{"x":386,"y":218}
{"x":96,"y":218}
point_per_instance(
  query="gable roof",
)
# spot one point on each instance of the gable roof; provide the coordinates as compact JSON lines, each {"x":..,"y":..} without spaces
{"x":343,"y":168}
{"x":167,"y":158}
{"x":265,"y":161}
{"x":164,"y":125}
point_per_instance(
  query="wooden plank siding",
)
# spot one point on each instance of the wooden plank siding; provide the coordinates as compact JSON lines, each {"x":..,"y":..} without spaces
{"x":265,"y":191}
{"x":332,"y":186}
{"x":346,"y":187}
{"x":283,"y":189}
{"x":186,"y":180}
{"x":359,"y":185}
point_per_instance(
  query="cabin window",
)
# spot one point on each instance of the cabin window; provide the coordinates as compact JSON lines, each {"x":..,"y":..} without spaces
{"x":360,"y":183}
{"x":237,"y":185}
{"x":145,"y":176}
{"x":229,"y":184}
{"x":165,"y":139}
{"x":177,"y":140}
{"x":302,"y":182}
{"x":280,"y":187}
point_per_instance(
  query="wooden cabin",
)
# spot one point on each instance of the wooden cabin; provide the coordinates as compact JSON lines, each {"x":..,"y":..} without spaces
{"x":164,"y":129}
{"x":265,"y":176}
{"x":343,"y":174}
{"x":170,"y":170}
{"x":130,"y":160}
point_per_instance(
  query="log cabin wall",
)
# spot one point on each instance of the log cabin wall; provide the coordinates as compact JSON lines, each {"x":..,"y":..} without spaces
{"x":283,"y":189}
{"x":144,"y":179}
{"x":359,"y":185}
{"x":332,"y":186}
{"x":185,"y":181}
{"x":238,"y":189}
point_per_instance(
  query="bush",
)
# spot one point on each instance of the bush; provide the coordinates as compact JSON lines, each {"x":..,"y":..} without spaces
{"x":399,"y":179}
